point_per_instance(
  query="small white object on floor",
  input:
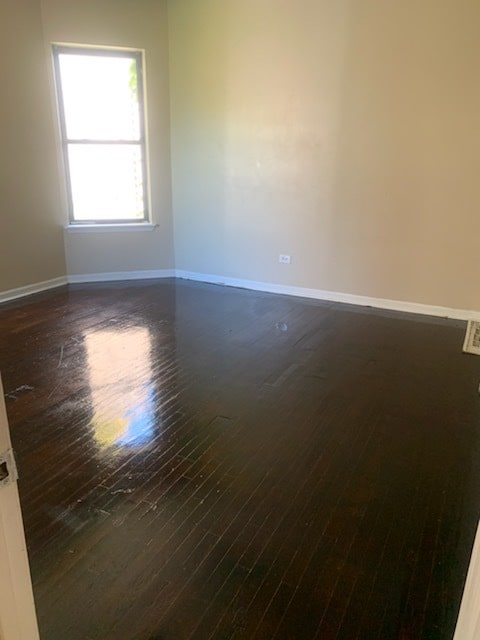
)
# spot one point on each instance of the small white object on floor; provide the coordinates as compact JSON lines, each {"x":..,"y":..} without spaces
{"x":472,"y":338}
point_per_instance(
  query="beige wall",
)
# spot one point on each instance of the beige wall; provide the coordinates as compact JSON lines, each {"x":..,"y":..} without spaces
{"x":31,"y":222}
{"x":345,"y":133}
{"x":141,"y":24}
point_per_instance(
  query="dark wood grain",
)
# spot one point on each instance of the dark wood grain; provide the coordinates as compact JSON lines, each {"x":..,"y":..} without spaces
{"x":206,"y":463}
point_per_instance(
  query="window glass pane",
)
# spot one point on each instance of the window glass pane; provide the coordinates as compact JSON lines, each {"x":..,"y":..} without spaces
{"x":106,"y":182}
{"x":100,"y":96}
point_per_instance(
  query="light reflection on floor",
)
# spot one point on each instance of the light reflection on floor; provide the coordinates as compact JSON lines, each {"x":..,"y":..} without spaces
{"x":120,"y":373}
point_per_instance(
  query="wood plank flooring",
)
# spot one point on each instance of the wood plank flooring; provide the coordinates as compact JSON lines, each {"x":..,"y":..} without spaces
{"x":207,"y":463}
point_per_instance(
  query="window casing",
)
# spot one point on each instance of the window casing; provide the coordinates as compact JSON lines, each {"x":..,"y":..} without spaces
{"x":100,"y":96}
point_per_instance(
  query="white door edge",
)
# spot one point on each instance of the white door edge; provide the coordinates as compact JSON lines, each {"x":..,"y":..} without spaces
{"x":468,"y":623}
{"x":18,"y":619}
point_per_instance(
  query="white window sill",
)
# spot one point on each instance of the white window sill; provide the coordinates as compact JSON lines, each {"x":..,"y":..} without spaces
{"x":109,"y":228}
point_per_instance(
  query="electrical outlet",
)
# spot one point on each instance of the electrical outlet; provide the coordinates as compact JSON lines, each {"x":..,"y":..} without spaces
{"x":284,"y":259}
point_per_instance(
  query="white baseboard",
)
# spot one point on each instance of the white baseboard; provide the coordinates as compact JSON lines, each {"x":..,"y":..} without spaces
{"x":333,"y":296}
{"x":29,"y":289}
{"x":121,"y":275}
{"x":268,"y":287}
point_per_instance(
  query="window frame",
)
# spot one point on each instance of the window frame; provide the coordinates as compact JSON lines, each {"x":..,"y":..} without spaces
{"x":139,"y":57}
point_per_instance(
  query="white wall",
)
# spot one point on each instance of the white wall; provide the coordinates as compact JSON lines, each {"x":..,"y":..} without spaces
{"x":343,"y":133}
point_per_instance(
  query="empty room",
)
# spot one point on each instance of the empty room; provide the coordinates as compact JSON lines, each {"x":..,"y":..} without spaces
{"x":239,"y":324}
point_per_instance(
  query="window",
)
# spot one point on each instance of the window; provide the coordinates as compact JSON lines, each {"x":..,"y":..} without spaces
{"x":100,"y":98}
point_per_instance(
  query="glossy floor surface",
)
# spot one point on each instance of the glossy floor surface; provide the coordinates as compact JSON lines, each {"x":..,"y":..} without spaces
{"x":210,"y":463}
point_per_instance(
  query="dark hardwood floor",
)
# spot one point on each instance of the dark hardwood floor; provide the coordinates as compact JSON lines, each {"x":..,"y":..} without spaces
{"x":199,"y":462}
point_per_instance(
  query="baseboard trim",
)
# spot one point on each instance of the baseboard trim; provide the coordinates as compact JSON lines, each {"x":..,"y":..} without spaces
{"x":30,"y":289}
{"x":115,"y":276}
{"x":333,"y":296}
{"x":267,"y":287}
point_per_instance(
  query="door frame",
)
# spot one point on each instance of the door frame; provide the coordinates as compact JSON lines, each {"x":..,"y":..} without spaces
{"x":18,"y":620}
{"x":468,"y":623}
